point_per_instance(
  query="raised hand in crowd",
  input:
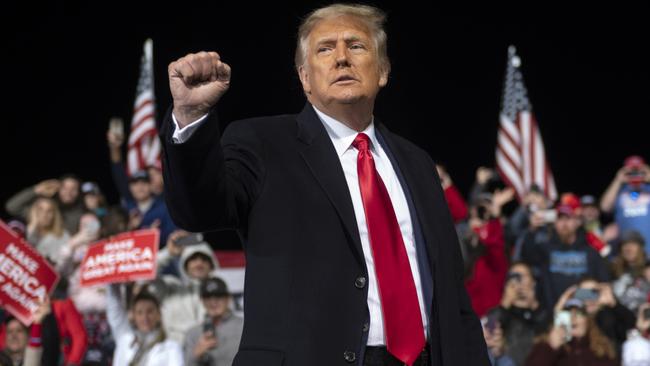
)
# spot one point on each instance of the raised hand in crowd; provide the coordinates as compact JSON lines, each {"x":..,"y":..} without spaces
{"x":47,"y":188}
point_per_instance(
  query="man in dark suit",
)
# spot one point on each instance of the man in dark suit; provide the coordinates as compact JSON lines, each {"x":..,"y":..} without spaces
{"x":352,"y":256}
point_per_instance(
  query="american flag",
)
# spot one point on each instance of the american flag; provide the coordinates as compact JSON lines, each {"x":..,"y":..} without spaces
{"x":520,"y":156}
{"x":144,"y":144}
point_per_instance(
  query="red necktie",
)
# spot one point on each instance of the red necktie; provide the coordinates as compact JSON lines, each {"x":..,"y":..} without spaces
{"x":399,"y":301}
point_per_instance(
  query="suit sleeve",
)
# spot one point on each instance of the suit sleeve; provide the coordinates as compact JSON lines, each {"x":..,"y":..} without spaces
{"x":211,"y":185}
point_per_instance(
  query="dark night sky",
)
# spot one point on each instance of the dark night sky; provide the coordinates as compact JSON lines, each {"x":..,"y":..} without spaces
{"x":74,"y":67}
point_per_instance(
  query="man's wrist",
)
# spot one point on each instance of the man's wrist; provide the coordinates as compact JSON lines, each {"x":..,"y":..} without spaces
{"x":186,"y":115}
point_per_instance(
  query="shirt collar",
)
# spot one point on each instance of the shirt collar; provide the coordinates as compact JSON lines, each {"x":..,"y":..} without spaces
{"x":342,"y":136}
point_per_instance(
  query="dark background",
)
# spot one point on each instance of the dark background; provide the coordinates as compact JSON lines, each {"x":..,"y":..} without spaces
{"x":71,"y":67}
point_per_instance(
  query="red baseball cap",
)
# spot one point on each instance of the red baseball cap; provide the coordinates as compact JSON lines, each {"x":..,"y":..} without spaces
{"x":565,"y":209}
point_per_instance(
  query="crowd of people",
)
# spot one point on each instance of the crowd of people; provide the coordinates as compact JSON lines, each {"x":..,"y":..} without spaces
{"x":555,"y":283}
{"x":185,"y":316}
{"x":558,"y":283}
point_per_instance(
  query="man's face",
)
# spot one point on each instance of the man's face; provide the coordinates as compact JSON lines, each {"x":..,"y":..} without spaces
{"x":341,"y":64}
{"x":69,"y":191}
{"x":199,"y":268}
{"x":146,"y":316}
{"x":215,"y":306}
{"x":590,"y":213}
{"x":566,"y":227}
{"x":156,"y":178}
{"x":140,"y":190}
{"x":15,"y":337}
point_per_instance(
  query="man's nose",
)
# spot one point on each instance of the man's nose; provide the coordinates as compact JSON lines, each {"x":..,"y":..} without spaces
{"x":341,"y":55}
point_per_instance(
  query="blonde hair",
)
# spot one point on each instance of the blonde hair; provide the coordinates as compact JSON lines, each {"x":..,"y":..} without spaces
{"x":371,"y":17}
{"x":55,"y":227}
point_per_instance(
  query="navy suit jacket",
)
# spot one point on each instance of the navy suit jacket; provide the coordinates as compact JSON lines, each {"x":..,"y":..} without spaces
{"x":279,"y":183}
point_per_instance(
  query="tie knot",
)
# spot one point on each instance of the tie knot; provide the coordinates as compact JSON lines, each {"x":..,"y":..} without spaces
{"x":361,"y":142}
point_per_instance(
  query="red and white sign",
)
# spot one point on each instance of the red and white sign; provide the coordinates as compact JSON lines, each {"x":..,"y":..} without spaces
{"x":122,"y":258}
{"x":25,"y":276}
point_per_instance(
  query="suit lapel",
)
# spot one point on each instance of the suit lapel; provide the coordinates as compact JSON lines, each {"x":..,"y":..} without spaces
{"x":324,"y":164}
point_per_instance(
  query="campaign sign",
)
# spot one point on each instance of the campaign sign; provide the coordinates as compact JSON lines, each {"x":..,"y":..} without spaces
{"x":122,"y":258}
{"x":25,"y":276}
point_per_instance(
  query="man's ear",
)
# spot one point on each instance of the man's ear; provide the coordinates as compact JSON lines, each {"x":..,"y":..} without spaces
{"x":304,"y":79}
{"x":383,"y":77}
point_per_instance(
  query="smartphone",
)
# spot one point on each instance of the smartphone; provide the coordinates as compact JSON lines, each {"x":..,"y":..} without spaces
{"x":585,"y":294}
{"x":549,"y":216}
{"x":116,"y":126}
{"x":191,"y":239}
{"x":208,"y":327}
{"x":563,"y":319}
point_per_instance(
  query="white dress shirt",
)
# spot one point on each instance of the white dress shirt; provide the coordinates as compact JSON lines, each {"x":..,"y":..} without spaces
{"x":342,"y":137}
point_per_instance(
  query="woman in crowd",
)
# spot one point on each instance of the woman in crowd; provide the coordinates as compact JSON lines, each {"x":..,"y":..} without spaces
{"x":578,"y":343}
{"x":142,"y":341}
{"x":45,"y":230}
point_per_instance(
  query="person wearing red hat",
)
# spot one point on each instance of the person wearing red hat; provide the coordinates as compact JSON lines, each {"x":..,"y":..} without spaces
{"x":628,"y":198}
{"x":563,"y":255}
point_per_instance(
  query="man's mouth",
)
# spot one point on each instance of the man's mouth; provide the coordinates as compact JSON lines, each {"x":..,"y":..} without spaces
{"x":344,"y":79}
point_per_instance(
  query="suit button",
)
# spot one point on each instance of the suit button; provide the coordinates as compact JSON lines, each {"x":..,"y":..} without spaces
{"x":366,"y":327}
{"x":360,"y":282}
{"x":349,"y":356}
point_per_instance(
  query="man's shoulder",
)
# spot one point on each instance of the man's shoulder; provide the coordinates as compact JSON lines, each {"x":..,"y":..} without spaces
{"x":264,"y":123}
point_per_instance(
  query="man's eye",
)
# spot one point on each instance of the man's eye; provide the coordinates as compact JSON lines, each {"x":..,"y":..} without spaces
{"x":357,"y":46}
{"x":323,"y":49}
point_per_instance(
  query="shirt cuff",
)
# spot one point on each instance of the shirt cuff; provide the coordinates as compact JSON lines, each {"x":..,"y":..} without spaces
{"x":181,"y":135}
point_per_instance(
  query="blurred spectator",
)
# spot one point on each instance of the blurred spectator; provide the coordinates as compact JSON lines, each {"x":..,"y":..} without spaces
{"x":18,"y":227}
{"x":591,"y":215}
{"x":495,"y":341}
{"x":533,"y":207}
{"x":45,"y":229}
{"x":520,"y":315}
{"x":157,"y":182}
{"x":146,"y":208}
{"x":455,"y":201}
{"x":612,"y":318}
{"x":628,"y":197}
{"x":93,"y":198}
{"x":65,"y":191}
{"x":484,"y":176}
{"x":486,"y":263}
{"x":579,"y":342}
{"x":563,"y":256}
{"x":142,"y":341}
{"x":636,"y":349}
{"x":180,"y":299}
{"x":631,"y":272}
{"x":91,"y":300}
{"x":14,"y":341}
{"x":34,"y":349}
{"x":216,"y":341}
